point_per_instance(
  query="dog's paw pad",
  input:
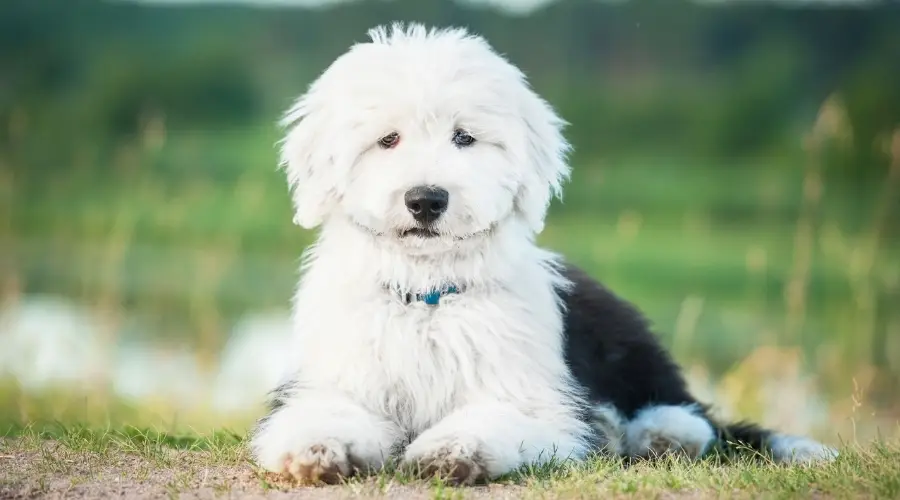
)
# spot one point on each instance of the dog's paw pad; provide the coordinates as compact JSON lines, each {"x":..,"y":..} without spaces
{"x":661,"y":445}
{"x":454,"y":471}
{"x":453,"y":465}
{"x":320,"y":463}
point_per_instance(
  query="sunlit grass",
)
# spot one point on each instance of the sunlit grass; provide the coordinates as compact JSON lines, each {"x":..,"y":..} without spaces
{"x":77,"y":458}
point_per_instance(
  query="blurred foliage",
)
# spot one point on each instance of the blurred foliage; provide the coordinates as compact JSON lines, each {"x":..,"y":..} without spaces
{"x":735,"y":153}
{"x":724,"y":80}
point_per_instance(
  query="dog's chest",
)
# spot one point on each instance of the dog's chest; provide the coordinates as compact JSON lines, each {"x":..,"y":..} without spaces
{"x":415,"y":363}
{"x":428,"y":361}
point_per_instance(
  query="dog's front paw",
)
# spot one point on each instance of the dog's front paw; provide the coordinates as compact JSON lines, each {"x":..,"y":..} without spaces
{"x":325,"y":462}
{"x":455,"y":461}
{"x":307,"y":461}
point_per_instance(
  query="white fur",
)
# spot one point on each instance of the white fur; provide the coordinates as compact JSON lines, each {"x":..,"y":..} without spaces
{"x":799,"y":450}
{"x":480,"y":377}
{"x":499,"y":434}
{"x":660,"y":429}
{"x":324,"y":418}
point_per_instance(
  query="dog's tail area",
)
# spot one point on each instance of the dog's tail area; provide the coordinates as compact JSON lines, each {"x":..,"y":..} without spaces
{"x":657,"y":429}
{"x":740,"y":437}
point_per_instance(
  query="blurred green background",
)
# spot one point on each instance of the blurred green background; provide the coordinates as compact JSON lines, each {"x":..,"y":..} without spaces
{"x":736,"y":175}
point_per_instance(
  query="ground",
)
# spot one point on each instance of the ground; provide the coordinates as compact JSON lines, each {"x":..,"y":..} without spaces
{"x":132,"y":463}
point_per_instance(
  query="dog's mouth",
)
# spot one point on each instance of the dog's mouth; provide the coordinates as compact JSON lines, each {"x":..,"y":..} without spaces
{"x":424,"y":233}
{"x":419,"y":232}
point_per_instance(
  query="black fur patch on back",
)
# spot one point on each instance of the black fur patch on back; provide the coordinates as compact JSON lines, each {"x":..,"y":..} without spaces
{"x":612,"y":352}
{"x":615,"y":356}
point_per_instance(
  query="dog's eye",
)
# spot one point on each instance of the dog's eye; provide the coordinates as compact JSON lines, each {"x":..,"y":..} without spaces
{"x":462,"y":138}
{"x":389,"y":141}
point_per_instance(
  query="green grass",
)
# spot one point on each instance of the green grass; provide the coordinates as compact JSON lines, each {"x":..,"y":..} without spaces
{"x":55,"y":458}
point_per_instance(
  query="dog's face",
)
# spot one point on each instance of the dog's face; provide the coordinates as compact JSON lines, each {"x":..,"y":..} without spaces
{"x":424,"y":139}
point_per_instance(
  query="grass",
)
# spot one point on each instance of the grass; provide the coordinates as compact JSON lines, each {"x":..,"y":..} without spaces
{"x":72,"y":460}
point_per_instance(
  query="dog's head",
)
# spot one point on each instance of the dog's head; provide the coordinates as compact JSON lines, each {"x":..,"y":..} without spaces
{"x":423,"y":138}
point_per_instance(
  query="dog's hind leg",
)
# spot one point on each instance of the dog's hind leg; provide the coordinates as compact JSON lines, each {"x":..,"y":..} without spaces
{"x":642,"y":403}
{"x":663,"y":429}
{"x":654,"y":431}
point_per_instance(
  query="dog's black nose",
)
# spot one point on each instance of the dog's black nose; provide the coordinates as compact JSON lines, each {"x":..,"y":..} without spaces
{"x":426,"y":203}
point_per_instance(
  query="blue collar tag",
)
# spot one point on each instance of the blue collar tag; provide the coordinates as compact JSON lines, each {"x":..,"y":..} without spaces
{"x":433,"y":297}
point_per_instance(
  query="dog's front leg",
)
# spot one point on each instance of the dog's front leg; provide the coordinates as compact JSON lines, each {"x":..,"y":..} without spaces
{"x":484,"y":441}
{"x":316,"y":436}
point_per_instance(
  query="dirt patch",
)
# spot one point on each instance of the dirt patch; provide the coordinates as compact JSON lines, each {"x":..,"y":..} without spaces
{"x":51,"y":471}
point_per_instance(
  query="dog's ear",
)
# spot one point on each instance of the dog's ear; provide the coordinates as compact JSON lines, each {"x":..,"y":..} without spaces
{"x":547,"y":152}
{"x":307,"y":159}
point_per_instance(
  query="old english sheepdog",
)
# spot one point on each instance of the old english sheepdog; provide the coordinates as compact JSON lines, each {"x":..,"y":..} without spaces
{"x":429,"y":326}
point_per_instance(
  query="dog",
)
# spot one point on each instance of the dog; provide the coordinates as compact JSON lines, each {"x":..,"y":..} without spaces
{"x":429,"y":326}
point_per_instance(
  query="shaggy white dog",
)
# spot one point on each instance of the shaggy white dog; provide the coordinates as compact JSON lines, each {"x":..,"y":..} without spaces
{"x":429,"y":325}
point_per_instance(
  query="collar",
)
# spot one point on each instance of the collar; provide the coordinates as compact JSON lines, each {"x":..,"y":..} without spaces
{"x":432,"y":297}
